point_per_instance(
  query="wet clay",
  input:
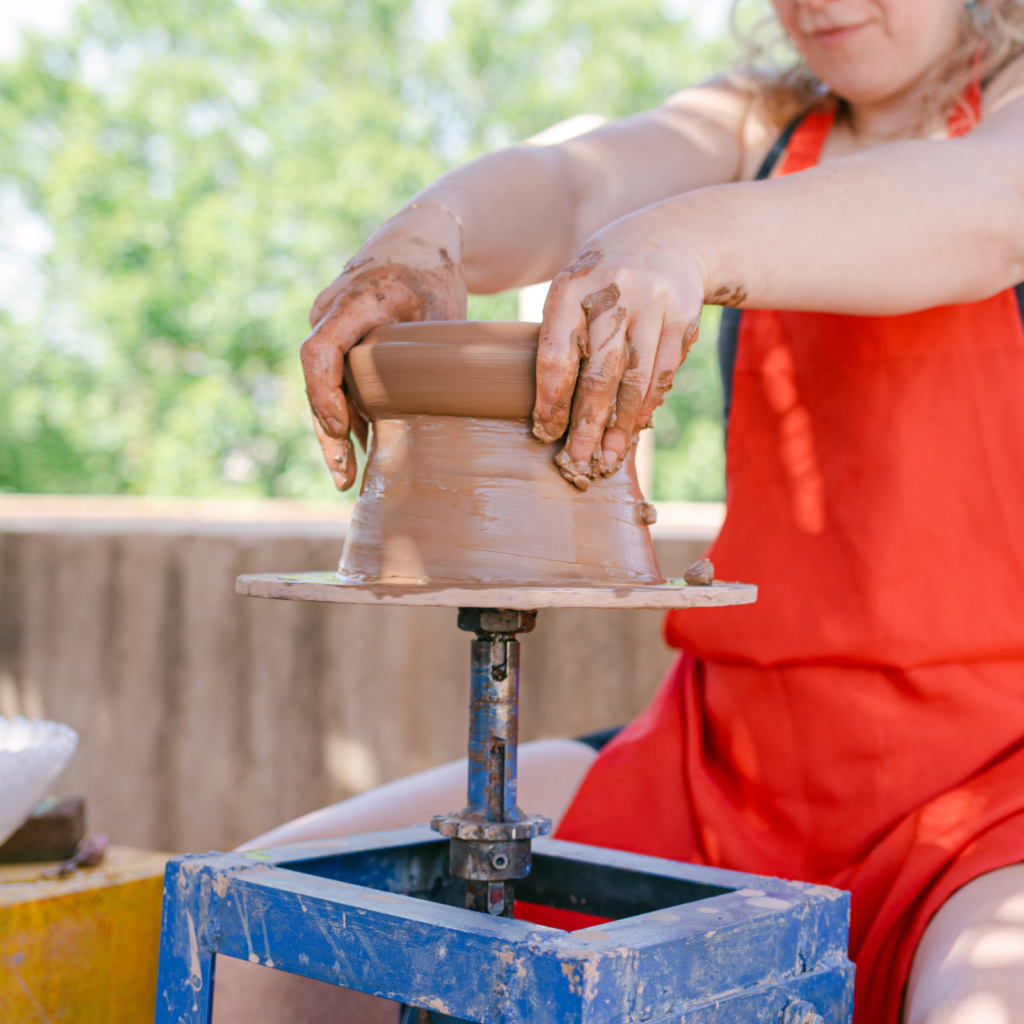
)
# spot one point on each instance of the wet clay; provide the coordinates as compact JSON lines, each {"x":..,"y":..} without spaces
{"x":429,"y":368}
{"x":729,"y":295}
{"x":584,"y":263}
{"x":458,"y":490}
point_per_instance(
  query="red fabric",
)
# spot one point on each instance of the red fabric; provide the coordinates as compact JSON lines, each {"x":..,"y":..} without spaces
{"x":862,"y":725}
{"x":804,"y":149}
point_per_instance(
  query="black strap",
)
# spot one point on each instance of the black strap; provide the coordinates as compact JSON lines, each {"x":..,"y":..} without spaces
{"x":729,"y":330}
{"x":769,"y":162}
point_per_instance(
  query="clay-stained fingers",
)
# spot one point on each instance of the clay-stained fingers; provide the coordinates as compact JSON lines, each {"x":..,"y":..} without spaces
{"x":323,"y":365}
{"x":597,"y":385}
{"x":339,"y":455}
{"x":561,"y":347}
{"x":677,"y":338}
{"x":642,"y":336}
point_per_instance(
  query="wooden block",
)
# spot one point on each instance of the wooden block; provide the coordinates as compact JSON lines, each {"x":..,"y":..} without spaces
{"x":83,"y":949}
{"x":52,"y":833}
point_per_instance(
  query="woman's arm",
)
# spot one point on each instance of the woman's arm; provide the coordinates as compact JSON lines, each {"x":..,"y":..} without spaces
{"x":526,"y":210}
{"x":508,"y":219}
{"x":894,"y":229}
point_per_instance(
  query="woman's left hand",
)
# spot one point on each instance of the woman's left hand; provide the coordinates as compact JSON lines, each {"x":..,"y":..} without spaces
{"x":618,"y":323}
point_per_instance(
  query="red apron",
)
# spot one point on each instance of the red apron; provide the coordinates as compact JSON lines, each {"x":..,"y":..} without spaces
{"x":862,"y":725}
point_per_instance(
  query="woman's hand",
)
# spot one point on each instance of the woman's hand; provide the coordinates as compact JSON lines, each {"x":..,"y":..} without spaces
{"x":618,"y":323}
{"x":409,"y":270}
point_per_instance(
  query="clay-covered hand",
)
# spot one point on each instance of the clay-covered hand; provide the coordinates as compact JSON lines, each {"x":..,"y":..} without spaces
{"x":409,"y":270}
{"x":618,"y":322}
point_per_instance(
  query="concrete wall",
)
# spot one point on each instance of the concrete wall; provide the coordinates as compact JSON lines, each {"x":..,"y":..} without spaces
{"x":206,"y":718}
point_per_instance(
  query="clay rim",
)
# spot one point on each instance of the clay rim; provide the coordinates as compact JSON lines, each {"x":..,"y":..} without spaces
{"x":474,"y":368}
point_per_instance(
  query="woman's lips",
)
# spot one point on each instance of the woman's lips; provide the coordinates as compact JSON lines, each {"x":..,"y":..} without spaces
{"x":834,"y":36}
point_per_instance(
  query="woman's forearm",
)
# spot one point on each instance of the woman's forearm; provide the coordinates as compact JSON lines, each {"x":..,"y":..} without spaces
{"x":517,"y":209}
{"x":525,"y":211}
{"x":893,"y":230}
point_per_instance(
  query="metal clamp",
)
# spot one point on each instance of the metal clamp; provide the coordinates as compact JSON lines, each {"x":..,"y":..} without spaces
{"x":496,"y":621}
{"x":457,"y":827}
{"x":490,"y":862}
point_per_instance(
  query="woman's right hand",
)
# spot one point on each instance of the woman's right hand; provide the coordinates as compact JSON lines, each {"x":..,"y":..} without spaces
{"x":409,"y":270}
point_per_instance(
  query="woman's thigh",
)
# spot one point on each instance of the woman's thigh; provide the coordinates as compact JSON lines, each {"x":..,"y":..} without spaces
{"x":550,"y":772}
{"x":969,"y":965}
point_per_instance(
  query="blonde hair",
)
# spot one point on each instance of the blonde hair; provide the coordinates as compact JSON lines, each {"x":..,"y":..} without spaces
{"x":991,"y":35}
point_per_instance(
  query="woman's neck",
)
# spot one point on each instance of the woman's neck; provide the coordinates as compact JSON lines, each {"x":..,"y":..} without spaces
{"x":896,"y":117}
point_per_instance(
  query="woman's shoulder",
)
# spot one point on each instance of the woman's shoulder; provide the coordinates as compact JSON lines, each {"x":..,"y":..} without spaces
{"x":1005,"y":86}
{"x":731,"y":107}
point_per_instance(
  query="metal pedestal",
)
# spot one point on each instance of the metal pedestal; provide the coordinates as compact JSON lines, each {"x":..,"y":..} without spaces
{"x":426,"y":919}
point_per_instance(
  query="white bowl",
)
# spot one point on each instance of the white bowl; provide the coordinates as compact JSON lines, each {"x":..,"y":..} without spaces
{"x":32,"y":755}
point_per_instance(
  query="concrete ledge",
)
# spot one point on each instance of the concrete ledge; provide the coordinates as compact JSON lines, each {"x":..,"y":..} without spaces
{"x":270,"y":517}
{"x":184,"y":517}
{"x":206,"y":718}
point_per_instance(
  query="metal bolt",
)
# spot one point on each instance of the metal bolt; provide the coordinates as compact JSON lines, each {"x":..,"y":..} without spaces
{"x":500,"y":861}
{"x":802,"y":1012}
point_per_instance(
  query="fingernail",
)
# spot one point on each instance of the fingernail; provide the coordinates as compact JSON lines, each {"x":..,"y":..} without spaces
{"x":541,"y":432}
{"x":609,"y":458}
{"x":577,"y":473}
{"x":340,"y":480}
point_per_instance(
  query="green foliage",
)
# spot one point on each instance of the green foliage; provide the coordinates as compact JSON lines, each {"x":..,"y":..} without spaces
{"x":193,"y":173}
{"x":690,"y":446}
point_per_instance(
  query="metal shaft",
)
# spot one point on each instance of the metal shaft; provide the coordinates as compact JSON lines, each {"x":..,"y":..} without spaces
{"x":490,"y":836}
{"x":493,"y":746}
{"x":494,"y":729}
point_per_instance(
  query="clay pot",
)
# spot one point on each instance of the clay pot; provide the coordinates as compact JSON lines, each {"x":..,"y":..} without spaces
{"x":458,"y":490}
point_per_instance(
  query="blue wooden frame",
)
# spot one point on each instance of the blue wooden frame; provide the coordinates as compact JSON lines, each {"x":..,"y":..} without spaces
{"x":734,"y":948}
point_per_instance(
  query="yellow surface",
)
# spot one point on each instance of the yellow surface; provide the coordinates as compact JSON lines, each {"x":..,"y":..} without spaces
{"x":81,"y":950}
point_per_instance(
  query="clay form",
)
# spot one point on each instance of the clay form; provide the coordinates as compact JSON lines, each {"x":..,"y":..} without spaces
{"x":701,"y":573}
{"x":458,"y":490}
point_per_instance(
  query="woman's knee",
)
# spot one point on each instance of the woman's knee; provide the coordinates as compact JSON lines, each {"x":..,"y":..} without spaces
{"x":969,"y":964}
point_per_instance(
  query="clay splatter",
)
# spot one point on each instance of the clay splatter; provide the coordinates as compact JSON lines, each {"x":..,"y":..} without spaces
{"x":584,"y":263}
{"x":600,"y":302}
{"x":355,"y":263}
{"x":729,"y":295}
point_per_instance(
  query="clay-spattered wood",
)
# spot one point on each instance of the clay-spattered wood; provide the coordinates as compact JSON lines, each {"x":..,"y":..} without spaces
{"x":333,"y":588}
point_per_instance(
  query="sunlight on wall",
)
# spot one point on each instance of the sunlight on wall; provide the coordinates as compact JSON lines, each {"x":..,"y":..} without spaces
{"x":350,"y":764}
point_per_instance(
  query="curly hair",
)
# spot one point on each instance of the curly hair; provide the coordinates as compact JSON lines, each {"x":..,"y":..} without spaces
{"x":991,"y":35}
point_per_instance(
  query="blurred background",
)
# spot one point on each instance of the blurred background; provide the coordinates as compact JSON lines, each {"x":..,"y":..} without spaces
{"x":177,"y":183}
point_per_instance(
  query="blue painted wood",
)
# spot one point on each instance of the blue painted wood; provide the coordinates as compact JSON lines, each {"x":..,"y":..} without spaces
{"x":341,"y":911}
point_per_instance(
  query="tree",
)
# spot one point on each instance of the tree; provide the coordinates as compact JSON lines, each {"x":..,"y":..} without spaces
{"x":194,"y":173}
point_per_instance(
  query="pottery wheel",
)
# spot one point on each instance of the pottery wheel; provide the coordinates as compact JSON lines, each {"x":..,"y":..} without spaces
{"x":331,"y":587}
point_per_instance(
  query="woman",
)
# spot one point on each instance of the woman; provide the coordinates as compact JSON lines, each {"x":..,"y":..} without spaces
{"x":863,"y":724}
